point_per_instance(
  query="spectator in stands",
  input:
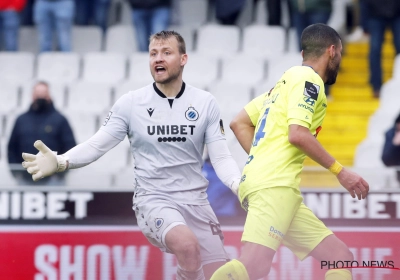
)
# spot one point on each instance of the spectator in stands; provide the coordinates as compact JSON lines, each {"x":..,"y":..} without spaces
{"x":274,"y":11}
{"x":223,"y":201}
{"x":360,"y":33}
{"x":54,"y":15}
{"x":42,"y":121}
{"x":92,"y":12}
{"x":228,"y":11}
{"x":307,"y":12}
{"x":9,"y":22}
{"x":150,"y":17}
{"x":391,"y":149}
{"x":381,"y":13}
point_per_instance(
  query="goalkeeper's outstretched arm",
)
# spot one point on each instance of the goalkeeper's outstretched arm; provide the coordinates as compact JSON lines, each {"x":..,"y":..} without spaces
{"x":47,"y":162}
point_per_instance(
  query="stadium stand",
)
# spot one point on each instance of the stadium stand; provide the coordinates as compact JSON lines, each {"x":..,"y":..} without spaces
{"x":217,"y":40}
{"x":87,"y":39}
{"x":104,"y":68}
{"x":56,"y":67}
{"x":257,"y":41}
{"x":235,"y":63}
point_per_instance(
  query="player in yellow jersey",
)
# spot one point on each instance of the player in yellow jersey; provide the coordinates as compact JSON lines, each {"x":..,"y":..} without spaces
{"x":278,"y":130}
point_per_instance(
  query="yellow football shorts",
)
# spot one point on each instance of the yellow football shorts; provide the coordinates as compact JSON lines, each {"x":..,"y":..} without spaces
{"x":278,"y":215}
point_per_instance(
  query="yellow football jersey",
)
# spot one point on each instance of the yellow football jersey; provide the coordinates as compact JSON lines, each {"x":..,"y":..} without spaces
{"x":297,"y":98}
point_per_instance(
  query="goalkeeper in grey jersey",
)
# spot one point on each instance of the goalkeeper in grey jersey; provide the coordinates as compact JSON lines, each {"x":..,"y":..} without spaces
{"x":167,"y":123}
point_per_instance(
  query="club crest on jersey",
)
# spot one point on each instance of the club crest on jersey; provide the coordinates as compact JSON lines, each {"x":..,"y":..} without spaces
{"x":191,"y":114}
{"x":159,"y":222}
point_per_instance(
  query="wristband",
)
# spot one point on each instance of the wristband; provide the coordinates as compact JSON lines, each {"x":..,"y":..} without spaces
{"x":335,"y":168}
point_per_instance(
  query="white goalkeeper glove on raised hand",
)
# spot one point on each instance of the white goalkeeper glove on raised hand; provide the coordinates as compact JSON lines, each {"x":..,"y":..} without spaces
{"x":45,"y":163}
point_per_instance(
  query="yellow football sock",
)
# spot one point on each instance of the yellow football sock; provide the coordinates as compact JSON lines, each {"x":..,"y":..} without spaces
{"x":233,"y":270}
{"x":338,"y":274}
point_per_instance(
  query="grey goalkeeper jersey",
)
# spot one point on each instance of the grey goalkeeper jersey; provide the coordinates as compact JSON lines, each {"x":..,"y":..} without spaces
{"x":167,"y":138}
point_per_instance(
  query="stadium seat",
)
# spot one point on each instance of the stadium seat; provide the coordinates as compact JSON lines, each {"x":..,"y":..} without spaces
{"x":292,"y":41}
{"x":9,"y":96}
{"x":139,"y":68}
{"x":84,"y":125}
{"x":337,"y":19}
{"x":379,"y":123}
{"x":121,"y":39}
{"x":368,"y":154}
{"x":201,"y":70}
{"x":192,"y":13}
{"x":264,"y":41}
{"x":243,"y":70}
{"x":87,"y":39}
{"x":89,"y":97}
{"x":218,"y":40}
{"x":57,"y":94}
{"x":104,"y":68}
{"x":58,"y":67}
{"x":377,"y":178}
{"x":7,"y":179}
{"x":28,"y":40}
{"x":16,"y":67}
{"x":187,"y":33}
{"x":126,"y":87}
{"x":8,"y":124}
{"x":390,"y":97}
{"x":276,"y":67}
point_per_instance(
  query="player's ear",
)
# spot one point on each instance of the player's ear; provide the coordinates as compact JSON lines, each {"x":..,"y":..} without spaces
{"x":184,"y":59}
{"x":332,"y":51}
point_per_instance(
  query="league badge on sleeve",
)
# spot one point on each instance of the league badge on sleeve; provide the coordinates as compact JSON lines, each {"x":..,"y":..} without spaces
{"x":311,"y":90}
{"x":221,"y":127}
{"x":107,"y":118}
{"x":191,"y":114}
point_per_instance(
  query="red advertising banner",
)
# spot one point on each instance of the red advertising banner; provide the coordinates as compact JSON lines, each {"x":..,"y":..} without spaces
{"x":123,"y":253}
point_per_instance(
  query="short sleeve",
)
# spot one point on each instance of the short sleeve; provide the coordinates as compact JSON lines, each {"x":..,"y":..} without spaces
{"x":303,"y":98}
{"x":117,"y":121}
{"x":215,"y":127}
{"x":254,"y":107}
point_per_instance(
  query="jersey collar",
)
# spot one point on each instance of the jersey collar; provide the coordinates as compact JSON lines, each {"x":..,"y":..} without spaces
{"x":161,"y":94}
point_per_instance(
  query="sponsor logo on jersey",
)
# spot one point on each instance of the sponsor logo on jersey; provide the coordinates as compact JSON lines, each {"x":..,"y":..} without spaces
{"x":107,"y":118}
{"x":311,"y":90}
{"x":221,"y":127}
{"x":150,"y":111}
{"x":191,"y":114}
{"x":309,"y":101}
{"x":301,"y":105}
{"x":159,"y":222}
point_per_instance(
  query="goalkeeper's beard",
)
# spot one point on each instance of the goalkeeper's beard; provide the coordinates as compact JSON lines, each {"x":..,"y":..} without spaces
{"x":40,"y":105}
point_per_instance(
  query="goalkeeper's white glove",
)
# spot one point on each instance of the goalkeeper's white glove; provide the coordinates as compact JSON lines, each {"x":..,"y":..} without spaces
{"x":45,"y":163}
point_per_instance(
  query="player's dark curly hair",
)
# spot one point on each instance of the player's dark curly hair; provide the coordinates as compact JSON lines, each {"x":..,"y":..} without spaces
{"x":316,"y":38}
{"x":164,"y":35}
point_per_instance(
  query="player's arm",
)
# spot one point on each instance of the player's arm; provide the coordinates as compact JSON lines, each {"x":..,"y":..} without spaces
{"x":301,"y":137}
{"x":243,"y":125}
{"x":224,"y":165}
{"x":243,"y":128}
{"x":113,"y":131}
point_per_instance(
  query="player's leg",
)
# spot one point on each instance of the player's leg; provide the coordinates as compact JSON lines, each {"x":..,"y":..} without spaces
{"x":182,"y":242}
{"x":270,"y":212}
{"x":202,"y":221}
{"x":333,"y":249}
{"x":162,"y":223}
{"x":308,"y":236}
